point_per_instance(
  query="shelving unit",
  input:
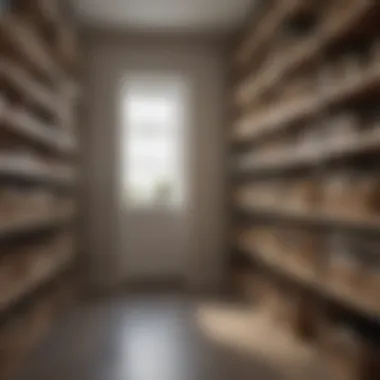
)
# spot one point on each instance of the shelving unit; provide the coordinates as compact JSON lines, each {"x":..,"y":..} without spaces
{"x":309,"y":220}
{"x":53,"y":265}
{"x":21,"y":37}
{"x":16,"y":167}
{"x":304,"y":51}
{"x":305,"y":148}
{"x":278,"y":118}
{"x":262,"y":33}
{"x":28,"y":224}
{"x":317,"y":155}
{"x":314,"y":284}
{"x":39,"y":98}
{"x":33,"y":318}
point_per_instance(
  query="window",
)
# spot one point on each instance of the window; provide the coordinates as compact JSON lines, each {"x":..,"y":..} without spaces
{"x":152,"y":142}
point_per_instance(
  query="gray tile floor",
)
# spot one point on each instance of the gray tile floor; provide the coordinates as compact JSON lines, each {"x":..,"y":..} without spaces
{"x":137,"y":338}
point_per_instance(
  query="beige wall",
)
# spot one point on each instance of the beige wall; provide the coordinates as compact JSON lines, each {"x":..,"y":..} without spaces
{"x":109,"y":57}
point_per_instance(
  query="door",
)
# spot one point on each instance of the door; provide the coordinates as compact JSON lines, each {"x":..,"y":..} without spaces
{"x":154,"y":177}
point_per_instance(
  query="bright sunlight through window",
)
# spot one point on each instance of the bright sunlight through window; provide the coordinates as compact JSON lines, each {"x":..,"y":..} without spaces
{"x":152,"y":142}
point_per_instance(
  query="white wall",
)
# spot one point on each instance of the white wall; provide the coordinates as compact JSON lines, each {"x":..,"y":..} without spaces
{"x":109,"y":57}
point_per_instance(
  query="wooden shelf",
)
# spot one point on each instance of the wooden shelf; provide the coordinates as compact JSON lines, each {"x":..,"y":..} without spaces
{"x":21,"y":123}
{"x":30,"y":224}
{"x":309,"y":219}
{"x":275,"y":119}
{"x":258,"y":83}
{"x":315,"y":155}
{"x":35,"y":281}
{"x":318,"y":287}
{"x":279,"y":118}
{"x":261,"y":35}
{"x":38,"y":100}
{"x":28,"y":88}
{"x":22,"y":36}
{"x":33,"y":171}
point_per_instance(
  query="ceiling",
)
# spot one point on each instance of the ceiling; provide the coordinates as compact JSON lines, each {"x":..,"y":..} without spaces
{"x":189,"y":15}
